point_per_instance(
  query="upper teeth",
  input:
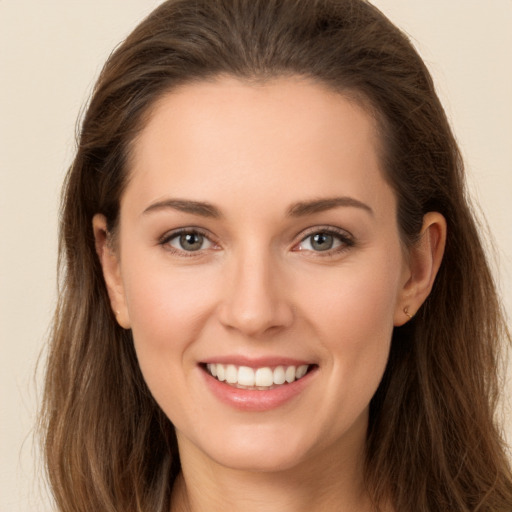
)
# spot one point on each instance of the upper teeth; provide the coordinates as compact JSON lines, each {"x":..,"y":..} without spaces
{"x":259,"y":377}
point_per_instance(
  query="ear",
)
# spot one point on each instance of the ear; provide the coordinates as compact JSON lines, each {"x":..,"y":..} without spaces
{"x":111,"y":270}
{"x":424,"y":261}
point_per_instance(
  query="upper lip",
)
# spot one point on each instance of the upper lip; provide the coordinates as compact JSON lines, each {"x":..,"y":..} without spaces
{"x":256,"y":362}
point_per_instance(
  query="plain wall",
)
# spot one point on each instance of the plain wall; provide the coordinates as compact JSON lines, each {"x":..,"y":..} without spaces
{"x":50,"y":54}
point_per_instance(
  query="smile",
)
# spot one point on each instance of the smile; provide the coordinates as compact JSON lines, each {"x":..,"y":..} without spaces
{"x":264,"y":378}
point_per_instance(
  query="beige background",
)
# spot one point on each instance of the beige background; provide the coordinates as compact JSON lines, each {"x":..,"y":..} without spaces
{"x":50,"y":53}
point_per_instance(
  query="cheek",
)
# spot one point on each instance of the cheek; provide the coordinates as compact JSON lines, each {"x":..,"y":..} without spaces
{"x":357,"y":333}
{"x":168,"y":309}
{"x":166,"y":303}
{"x":353,"y":299}
{"x":353,"y":318}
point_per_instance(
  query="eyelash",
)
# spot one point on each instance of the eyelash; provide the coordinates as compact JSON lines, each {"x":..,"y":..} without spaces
{"x":346,"y":241}
{"x":168,"y":237}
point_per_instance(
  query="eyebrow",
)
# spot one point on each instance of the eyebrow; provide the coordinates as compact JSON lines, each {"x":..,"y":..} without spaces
{"x":299,"y":209}
{"x":184,"y":205}
{"x":303,"y":208}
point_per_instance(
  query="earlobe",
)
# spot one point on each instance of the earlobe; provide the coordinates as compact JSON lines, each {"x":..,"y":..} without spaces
{"x":111,"y":270}
{"x":425,"y":258}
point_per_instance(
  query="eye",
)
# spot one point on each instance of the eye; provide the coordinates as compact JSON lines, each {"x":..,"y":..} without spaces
{"x":187,"y":241}
{"x":325,"y":241}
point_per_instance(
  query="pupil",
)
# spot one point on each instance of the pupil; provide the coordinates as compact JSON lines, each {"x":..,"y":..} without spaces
{"x":191,"y":241}
{"x":322,"y":242}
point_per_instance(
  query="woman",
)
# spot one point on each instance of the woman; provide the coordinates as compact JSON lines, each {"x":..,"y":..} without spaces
{"x":275,"y":296}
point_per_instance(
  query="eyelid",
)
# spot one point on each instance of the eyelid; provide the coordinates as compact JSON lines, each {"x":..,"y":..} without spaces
{"x":170,"y":235}
{"x":346,"y":238}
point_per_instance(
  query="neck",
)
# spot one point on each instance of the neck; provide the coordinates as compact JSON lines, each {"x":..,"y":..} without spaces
{"x":331,"y":482}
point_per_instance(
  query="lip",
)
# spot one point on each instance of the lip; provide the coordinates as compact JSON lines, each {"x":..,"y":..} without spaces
{"x":257,"y":362}
{"x":251,"y":400}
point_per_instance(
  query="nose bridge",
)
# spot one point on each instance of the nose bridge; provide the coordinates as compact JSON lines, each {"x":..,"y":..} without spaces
{"x":255,"y":300}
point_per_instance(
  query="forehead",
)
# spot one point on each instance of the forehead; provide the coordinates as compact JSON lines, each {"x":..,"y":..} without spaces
{"x":277,"y":140}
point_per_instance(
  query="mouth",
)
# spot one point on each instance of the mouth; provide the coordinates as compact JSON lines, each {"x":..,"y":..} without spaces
{"x":262,"y":378}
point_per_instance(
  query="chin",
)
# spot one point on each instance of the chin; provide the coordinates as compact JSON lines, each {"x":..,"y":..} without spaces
{"x":253,"y":449}
{"x":258,"y":460}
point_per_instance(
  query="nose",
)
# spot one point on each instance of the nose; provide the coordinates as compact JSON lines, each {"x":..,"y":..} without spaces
{"x":255,"y":300}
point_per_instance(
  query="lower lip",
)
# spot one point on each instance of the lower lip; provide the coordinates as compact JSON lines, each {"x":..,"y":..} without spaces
{"x":256,"y":400}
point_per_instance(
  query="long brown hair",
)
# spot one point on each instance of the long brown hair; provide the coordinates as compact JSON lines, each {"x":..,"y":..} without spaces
{"x":432,"y":442}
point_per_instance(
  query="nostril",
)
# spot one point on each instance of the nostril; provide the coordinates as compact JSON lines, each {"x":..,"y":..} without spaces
{"x":253,"y":315}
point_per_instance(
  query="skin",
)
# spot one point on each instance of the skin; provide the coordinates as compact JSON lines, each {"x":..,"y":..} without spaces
{"x":257,"y":287}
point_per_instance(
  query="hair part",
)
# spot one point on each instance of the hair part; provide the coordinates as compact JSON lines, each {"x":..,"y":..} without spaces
{"x":432,"y":440}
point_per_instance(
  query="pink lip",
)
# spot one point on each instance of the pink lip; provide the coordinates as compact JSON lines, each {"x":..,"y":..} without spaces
{"x":257,"y":362}
{"x":254,"y":400}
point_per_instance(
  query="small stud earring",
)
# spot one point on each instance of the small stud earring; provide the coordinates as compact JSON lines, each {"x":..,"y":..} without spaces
{"x":406,"y":311}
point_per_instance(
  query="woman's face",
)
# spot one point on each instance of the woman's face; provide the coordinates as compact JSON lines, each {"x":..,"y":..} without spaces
{"x":258,"y":240}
